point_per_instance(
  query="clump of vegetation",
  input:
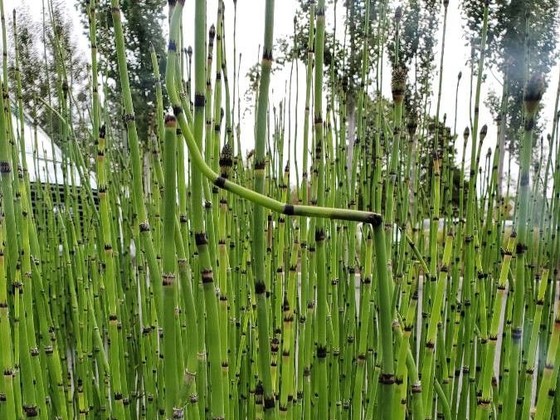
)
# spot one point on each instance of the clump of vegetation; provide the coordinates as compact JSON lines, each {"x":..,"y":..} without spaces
{"x":164,"y":274}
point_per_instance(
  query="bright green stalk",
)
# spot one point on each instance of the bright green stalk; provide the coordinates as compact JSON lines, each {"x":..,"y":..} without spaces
{"x":149,"y":315}
{"x":258,"y":214}
{"x":7,"y":176}
{"x":387,"y":378}
{"x":140,"y":217}
{"x":96,"y":111}
{"x":335,"y":273}
{"x":454,"y":314}
{"x":13,"y":273}
{"x":310,"y":332}
{"x":109,"y":273}
{"x":469,"y":276}
{"x":435,"y":318}
{"x":365,"y":291}
{"x":547,"y":390}
{"x":285,"y":290}
{"x":71,"y":287}
{"x":532,"y":97}
{"x":320,"y":235}
{"x":533,"y":347}
{"x":186,"y":284}
{"x":191,"y":340}
{"x":171,"y":346}
{"x":484,"y":401}
{"x":209,"y":133}
{"x":213,"y":123}
{"x":7,"y":407}
{"x":220,"y":213}
{"x":303,"y":320}
{"x":160,"y":128}
{"x":224,"y":277}
{"x":406,"y":368}
{"x":210,"y":210}
{"x":289,"y":335}
{"x":29,"y":287}
{"x":19,"y":396}
{"x":217,"y":102}
{"x":205,"y":270}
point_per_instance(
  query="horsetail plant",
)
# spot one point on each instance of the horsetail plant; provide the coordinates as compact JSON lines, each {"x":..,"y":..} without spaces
{"x":165,"y":277}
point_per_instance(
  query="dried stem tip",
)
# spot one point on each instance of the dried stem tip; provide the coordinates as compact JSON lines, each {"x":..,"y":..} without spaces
{"x":533,"y":93}
{"x":398,"y":14}
{"x":412,"y":124}
{"x":483,"y":132}
{"x":398,"y":84}
{"x":226,"y":157}
{"x":170,"y":121}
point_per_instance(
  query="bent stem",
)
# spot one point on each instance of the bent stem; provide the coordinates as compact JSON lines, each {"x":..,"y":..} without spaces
{"x":375,"y":219}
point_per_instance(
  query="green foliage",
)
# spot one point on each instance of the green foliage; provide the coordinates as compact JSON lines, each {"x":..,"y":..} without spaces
{"x":33,"y":76}
{"x":142,"y":28}
{"x":418,"y":24}
{"x":416,"y":47}
{"x":343,"y":59}
{"x":53,"y":73}
{"x":521,"y":40}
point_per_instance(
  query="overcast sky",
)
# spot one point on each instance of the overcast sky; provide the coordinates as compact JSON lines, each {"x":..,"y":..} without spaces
{"x":250,"y":27}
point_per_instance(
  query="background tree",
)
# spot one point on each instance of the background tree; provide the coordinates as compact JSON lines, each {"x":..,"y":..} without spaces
{"x":417,"y":40}
{"x":344,"y":54}
{"x":143,"y":28}
{"x":407,"y":34}
{"x":54,"y":75}
{"x":33,"y":76}
{"x":522,"y":38}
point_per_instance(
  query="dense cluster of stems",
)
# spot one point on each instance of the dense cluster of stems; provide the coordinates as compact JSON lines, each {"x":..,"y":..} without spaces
{"x":174,"y":277}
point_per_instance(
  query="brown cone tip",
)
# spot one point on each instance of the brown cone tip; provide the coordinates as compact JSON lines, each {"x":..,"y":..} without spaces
{"x":483,"y":131}
{"x":170,"y":120}
{"x":398,"y":14}
{"x":412,"y":124}
{"x":226,"y":157}
{"x":534,"y":91}
{"x":398,"y":83}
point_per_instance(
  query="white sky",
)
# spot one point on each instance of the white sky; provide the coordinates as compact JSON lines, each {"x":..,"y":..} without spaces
{"x":250,"y":29}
